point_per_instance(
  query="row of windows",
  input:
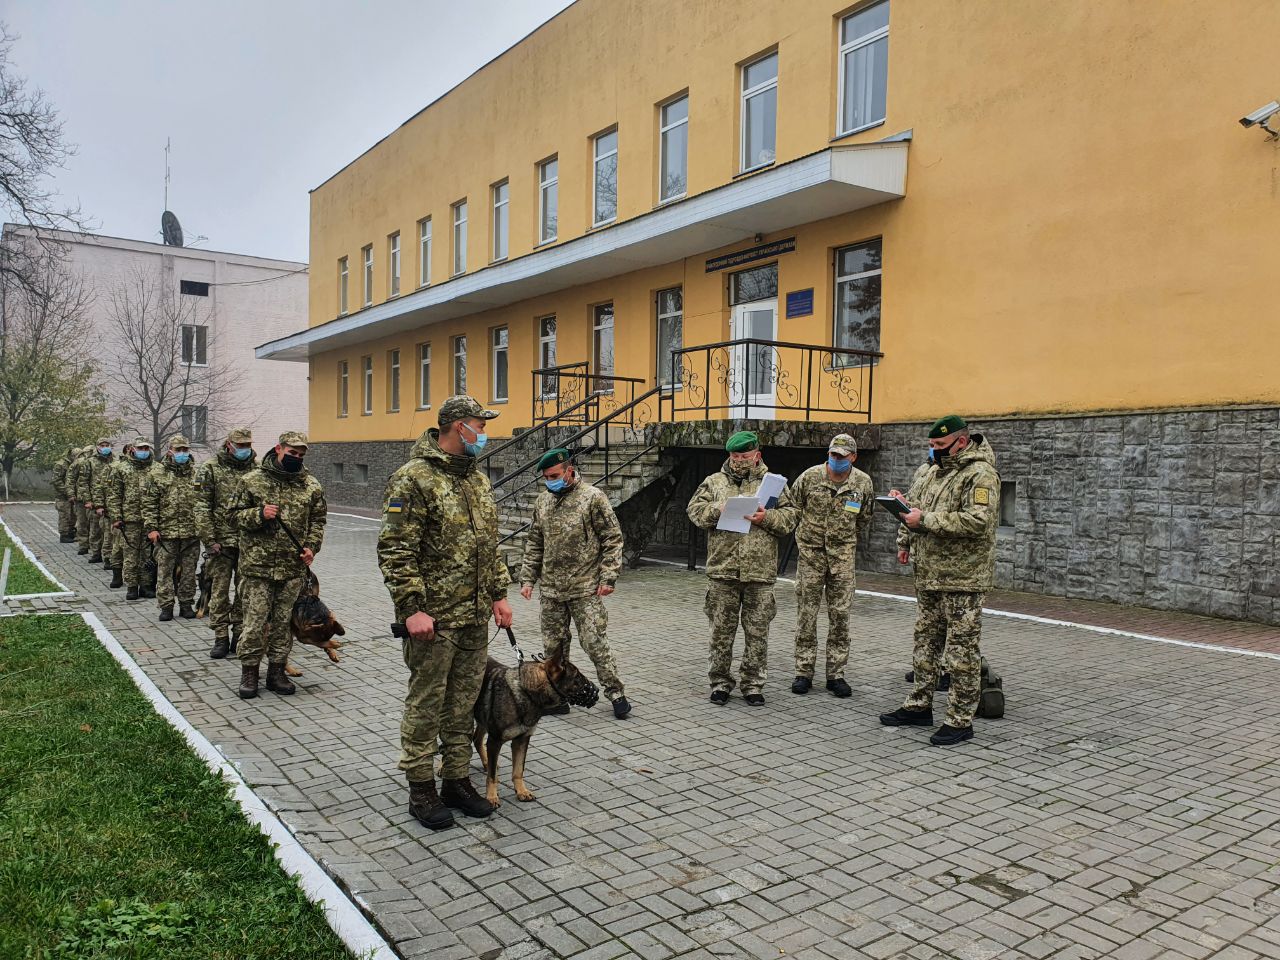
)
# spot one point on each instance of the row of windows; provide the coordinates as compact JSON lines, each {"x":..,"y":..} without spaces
{"x":863,"y":83}
{"x":856,"y":326}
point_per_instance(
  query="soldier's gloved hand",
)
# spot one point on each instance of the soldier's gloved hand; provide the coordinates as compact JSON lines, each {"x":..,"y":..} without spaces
{"x":502,"y":614}
{"x":904,"y":556}
{"x":421,"y":627}
{"x":154,"y":536}
{"x":603,"y":590}
{"x":527,"y":591}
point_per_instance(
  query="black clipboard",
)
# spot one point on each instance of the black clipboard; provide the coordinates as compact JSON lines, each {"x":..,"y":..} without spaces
{"x":895,"y":506}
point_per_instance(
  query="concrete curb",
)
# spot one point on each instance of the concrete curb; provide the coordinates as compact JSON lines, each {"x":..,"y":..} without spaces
{"x":346,"y":919}
{"x":62,"y":590}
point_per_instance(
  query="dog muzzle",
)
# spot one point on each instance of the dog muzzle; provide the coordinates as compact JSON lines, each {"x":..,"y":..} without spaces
{"x":585,"y":694}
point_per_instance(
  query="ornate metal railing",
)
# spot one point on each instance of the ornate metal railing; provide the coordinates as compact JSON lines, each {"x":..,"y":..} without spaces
{"x":754,"y":379}
{"x":557,"y":390}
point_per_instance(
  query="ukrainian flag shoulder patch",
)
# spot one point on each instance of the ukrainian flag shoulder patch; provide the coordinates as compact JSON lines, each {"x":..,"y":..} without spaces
{"x":395,"y":506}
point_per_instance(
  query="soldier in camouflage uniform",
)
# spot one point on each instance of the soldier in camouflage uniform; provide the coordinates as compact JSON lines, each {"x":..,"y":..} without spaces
{"x":438,"y":551}
{"x":113,"y":534}
{"x":742,"y":568}
{"x":833,"y":501}
{"x":220,"y":486}
{"x":80,"y":496}
{"x":574,"y":548}
{"x":279,"y":498}
{"x":950,"y":533}
{"x":64,"y":497}
{"x":92,"y":474}
{"x":169,"y":519}
{"x":124,"y":503}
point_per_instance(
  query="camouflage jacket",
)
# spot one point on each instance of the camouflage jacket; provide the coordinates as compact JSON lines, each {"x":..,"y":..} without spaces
{"x":745,"y":557}
{"x":438,"y":547}
{"x":955,"y":550}
{"x":89,"y":480}
{"x":169,"y":500}
{"x":124,"y":489}
{"x":831,"y":515}
{"x":574,"y":544}
{"x":60,"y":476}
{"x":219,"y":489}
{"x":100,"y":484}
{"x":77,"y":474}
{"x":265,"y":549}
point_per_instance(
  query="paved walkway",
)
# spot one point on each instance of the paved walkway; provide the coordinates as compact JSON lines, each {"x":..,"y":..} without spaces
{"x":1128,"y":807}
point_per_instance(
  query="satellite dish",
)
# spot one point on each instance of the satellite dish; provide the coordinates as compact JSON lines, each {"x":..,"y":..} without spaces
{"x":172,"y":230}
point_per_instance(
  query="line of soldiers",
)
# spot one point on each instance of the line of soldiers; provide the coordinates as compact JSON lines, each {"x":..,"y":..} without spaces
{"x":261,"y":525}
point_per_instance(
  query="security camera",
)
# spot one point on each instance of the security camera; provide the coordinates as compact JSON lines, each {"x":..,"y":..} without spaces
{"x":1261,"y":115}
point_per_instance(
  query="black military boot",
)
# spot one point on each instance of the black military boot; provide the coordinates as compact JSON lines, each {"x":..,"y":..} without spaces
{"x":801,"y":684}
{"x":117,"y":581}
{"x":106,"y":564}
{"x":149,"y":592}
{"x":132,"y":593}
{"x":461,"y":795}
{"x":948,"y":736}
{"x":166,"y":613}
{"x":220,"y":649}
{"x":839,"y":687}
{"x":95,"y":557}
{"x":67,"y":538}
{"x":425,"y":806}
{"x":82,"y":551}
{"x":248,"y":681}
{"x":235,"y":636}
{"x":185,"y":611}
{"x":278,"y":681}
{"x":902,"y":717}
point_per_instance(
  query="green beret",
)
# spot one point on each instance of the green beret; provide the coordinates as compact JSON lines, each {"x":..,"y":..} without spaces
{"x":743,"y":441}
{"x":553,"y":457}
{"x":947,"y":426}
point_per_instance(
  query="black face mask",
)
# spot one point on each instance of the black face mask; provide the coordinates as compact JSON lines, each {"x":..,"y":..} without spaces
{"x":290,"y":464}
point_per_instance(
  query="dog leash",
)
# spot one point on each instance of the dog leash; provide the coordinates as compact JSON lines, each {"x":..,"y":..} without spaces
{"x":401,"y":632}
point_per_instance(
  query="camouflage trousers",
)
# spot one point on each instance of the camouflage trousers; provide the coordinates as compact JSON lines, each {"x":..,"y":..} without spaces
{"x":66,"y":517}
{"x":224,"y":612}
{"x":97,"y":531}
{"x":816,"y":575}
{"x":950,"y":622}
{"x":82,"y":524}
{"x":135,"y":549}
{"x":592,"y":620}
{"x":754,"y":605}
{"x":112,"y":544}
{"x":445,"y":674}
{"x":180,"y":554}
{"x":268,"y":605}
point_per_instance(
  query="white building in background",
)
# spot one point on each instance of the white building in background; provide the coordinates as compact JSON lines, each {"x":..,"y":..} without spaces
{"x":240,"y":301}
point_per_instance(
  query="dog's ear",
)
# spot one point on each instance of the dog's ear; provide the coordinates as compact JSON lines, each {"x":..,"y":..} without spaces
{"x":555,"y":664}
{"x":337,"y":627}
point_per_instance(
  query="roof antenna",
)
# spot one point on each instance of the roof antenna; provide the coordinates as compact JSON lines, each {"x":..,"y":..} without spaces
{"x":170,"y":228}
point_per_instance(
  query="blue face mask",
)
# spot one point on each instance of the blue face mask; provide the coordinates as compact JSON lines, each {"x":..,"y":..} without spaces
{"x":242,"y":453}
{"x":181,"y":457}
{"x":474,"y":447}
{"x":142,"y":454}
{"x":104,"y":451}
{"x":838,"y":466}
{"x":556,"y":485}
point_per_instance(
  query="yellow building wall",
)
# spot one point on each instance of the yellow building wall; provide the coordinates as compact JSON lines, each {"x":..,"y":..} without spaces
{"x":1086,"y":225}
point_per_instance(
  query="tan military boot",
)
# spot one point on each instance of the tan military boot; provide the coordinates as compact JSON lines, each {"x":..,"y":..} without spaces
{"x":248,"y":681}
{"x":426,"y":808}
{"x":278,"y":681}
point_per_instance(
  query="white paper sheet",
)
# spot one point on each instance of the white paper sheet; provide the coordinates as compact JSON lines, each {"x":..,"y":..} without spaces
{"x":771,"y":486}
{"x":736,"y":511}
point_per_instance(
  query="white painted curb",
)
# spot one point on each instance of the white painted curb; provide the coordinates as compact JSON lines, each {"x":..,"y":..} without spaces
{"x":62,"y":587}
{"x":342,"y":915}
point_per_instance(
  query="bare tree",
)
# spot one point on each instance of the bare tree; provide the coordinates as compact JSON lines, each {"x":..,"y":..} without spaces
{"x":49,"y":393}
{"x":171,"y":375}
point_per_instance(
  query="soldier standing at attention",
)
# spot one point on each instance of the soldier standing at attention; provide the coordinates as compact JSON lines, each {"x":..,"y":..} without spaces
{"x":574,"y":549}
{"x":438,"y":550}
{"x":66,"y":508}
{"x":220,"y":488}
{"x":169,"y":519}
{"x":80,"y":496}
{"x":280,"y":498}
{"x":951,"y":534}
{"x":90,"y":479}
{"x":110,"y":535}
{"x":742,"y":569}
{"x":124,"y":503}
{"x":834,"y":502}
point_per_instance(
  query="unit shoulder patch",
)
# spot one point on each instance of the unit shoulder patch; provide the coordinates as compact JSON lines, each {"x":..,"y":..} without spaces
{"x":982,"y":496}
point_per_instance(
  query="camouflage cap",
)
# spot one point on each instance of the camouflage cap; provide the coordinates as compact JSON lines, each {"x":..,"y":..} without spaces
{"x":293,"y":438}
{"x":240,"y":435}
{"x":946,"y":426}
{"x":459,"y":407}
{"x":744,"y":441}
{"x":178,"y":440}
{"x":843,"y":443}
{"x":554,"y":457}
{"x":105,"y":442}
{"x":142,"y":442}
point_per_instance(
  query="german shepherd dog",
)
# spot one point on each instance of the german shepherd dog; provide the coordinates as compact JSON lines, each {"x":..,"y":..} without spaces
{"x":312,"y":622}
{"x":512,"y":700}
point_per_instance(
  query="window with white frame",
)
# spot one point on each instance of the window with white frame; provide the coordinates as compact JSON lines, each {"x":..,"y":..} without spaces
{"x":424,"y":376}
{"x":674,"y":136}
{"x":602,"y":344}
{"x":393,"y":264}
{"x":548,"y":200}
{"x":501,"y":196}
{"x":759,"y":112}
{"x":367,"y":366}
{"x":864,"y":68}
{"x":670,"y":334}
{"x":393,"y":381}
{"x":195,"y":424}
{"x":547,"y":354}
{"x":459,"y":365}
{"x":857,"y":299}
{"x":343,"y":380}
{"x":343,"y":277}
{"x":605,"y":179}
{"x":460,"y":237}
{"x":195,"y":345}
{"x":498,"y":364}
{"x":368,"y":275}
{"x":424,"y":252}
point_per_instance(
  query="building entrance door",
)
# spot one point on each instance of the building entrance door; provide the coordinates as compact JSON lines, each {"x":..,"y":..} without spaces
{"x":753,"y":384}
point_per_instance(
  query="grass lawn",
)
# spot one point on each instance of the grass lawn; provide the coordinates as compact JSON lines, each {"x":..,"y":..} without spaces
{"x":115,"y":839}
{"x":23,"y":575}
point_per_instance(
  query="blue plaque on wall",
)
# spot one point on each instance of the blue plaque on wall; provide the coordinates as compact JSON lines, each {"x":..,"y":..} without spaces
{"x":800,"y":303}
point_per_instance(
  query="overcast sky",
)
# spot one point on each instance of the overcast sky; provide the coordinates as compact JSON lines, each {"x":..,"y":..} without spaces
{"x":263,"y":99}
